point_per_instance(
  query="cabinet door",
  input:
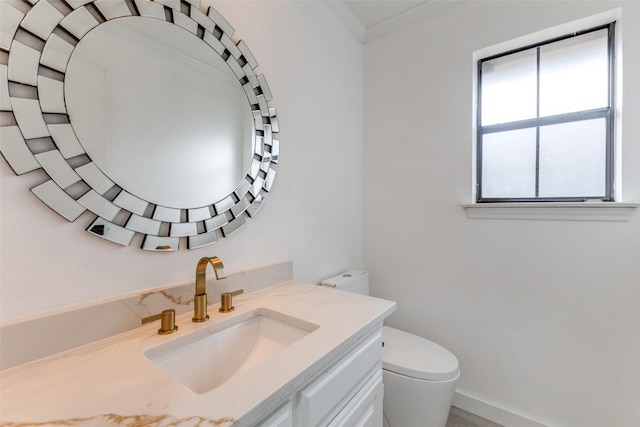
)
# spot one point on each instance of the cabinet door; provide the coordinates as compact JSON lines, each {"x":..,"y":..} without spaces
{"x":282,"y":417}
{"x":325,"y":397}
{"x":365,"y":409}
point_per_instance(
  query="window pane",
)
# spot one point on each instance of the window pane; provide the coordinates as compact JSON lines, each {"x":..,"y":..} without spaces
{"x":574,"y":74}
{"x":509,"y":164}
{"x":509,"y":88}
{"x":572,"y":159}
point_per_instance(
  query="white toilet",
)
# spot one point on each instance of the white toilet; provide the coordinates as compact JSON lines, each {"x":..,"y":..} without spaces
{"x":419,"y":376}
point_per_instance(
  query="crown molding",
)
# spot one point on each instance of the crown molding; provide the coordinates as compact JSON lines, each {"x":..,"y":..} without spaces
{"x":365,"y":34}
{"x":411,"y":16}
{"x":344,"y":14}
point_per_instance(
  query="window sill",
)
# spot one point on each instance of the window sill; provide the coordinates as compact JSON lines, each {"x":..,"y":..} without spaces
{"x":563,"y":211}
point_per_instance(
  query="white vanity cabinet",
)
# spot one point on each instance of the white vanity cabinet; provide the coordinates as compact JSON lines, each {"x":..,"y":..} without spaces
{"x":347,"y":393}
{"x":347,"y":386}
{"x":282,"y":417}
{"x":365,"y":409}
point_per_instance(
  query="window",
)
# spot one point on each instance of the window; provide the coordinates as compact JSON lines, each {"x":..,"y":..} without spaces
{"x":545,"y":120}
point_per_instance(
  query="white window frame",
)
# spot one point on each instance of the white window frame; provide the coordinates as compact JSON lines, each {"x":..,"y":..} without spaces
{"x":586,"y":210}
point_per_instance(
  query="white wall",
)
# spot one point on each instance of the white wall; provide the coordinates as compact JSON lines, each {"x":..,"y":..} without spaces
{"x":544,"y":316}
{"x":313,"y":215}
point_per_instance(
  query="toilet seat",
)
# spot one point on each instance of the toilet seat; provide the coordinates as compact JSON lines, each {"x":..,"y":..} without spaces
{"x":416,"y":357}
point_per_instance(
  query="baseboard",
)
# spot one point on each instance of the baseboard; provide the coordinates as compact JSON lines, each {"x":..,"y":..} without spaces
{"x":493,"y":413}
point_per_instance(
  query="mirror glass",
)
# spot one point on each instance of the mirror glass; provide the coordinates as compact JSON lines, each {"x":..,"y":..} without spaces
{"x":159,"y":112}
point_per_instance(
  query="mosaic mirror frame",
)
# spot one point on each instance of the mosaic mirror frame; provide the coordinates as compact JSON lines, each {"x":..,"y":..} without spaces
{"x":38,"y":38}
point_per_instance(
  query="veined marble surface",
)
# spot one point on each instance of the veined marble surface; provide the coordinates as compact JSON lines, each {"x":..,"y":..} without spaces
{"x":112,"y":382}
{"x":30,"y":339}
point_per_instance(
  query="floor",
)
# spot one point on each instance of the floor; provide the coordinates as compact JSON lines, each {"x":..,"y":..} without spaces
{"x":461,"y":418}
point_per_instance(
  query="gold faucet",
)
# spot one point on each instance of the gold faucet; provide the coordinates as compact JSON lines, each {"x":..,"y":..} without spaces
{"x":200,"y":298}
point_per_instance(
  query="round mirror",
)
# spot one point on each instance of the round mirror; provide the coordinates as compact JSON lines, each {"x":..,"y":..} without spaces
{"x":147,"y":115}
{"x":159,"y":112}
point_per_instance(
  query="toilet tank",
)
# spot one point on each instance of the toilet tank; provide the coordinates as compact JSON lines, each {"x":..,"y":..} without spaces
{"x":351,"y":281}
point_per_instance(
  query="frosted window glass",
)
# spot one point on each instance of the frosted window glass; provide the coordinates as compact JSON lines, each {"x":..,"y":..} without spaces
{"x":509,"y":86}
{"x":572,"y":159}
{"x":574,"y":74}
{"x":509,"y":164}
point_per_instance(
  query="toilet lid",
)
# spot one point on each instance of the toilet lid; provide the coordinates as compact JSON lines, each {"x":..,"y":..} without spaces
{"x":417,"y":357}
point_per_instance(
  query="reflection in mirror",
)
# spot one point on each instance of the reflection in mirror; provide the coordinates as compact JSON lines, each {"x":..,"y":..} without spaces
{"x":141,"y":117}
{"x":160,"y":112}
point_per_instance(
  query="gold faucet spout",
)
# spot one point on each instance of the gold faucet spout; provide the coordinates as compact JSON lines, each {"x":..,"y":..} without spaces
{"x":200,"y":298}
{"x":201,"y":270}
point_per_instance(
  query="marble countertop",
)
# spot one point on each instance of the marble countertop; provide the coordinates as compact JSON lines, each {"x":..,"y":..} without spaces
{"x":112,"y":382}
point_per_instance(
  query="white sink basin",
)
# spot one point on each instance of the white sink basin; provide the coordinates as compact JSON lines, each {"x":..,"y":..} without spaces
{"x":206,"y":359}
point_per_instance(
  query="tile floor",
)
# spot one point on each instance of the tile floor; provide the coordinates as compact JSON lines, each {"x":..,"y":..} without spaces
{"x":461,"y":418}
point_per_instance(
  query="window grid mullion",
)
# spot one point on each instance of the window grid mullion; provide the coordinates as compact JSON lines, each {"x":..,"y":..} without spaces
{"x":537,"y":192}
{"x":548,"y":120}
{"x":537,"y":180}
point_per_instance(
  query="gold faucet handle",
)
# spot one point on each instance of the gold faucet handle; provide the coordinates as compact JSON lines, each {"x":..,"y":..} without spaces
{"x":226,"y":301}
{"x":167,"y":321}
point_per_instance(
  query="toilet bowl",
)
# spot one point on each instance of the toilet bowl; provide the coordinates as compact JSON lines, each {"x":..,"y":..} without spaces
{"x":419,"y":376}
